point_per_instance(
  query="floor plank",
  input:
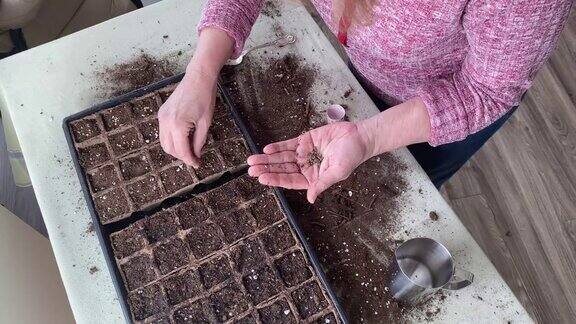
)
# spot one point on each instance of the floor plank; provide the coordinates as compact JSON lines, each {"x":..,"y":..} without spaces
{"x":523,"y":183}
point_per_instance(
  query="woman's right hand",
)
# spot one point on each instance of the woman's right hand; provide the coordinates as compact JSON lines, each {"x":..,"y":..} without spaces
{"x":186,"y":116}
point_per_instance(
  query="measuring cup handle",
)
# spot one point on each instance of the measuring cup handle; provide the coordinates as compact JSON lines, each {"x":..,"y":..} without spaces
{"x":460,"y":279}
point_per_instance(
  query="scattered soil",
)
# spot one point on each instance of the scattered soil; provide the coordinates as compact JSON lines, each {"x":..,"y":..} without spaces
{"x":202,"y":263}
{"x":315,"y":157}
{"x":93,"y":269}
{"x":126,"y":168}
{"x":136,"y":73}
{"x":270,"y":9}
{"x":90,"y":228}
{"x":348,"y":223}
{"x":433,"y":216}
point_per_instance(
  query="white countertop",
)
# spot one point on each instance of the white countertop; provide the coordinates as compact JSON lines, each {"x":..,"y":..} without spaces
{"x":42,"y":86}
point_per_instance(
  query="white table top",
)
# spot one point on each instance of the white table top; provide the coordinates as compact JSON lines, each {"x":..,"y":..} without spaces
{"x":42,"y":86}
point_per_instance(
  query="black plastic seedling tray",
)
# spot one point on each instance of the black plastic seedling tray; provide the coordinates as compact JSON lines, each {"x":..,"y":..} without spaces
{"x":103,"y":231}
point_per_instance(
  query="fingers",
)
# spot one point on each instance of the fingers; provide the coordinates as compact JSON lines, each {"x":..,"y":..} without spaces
{"x":182,"y":148}
{"x":199,"y":137}
{"x":273,"y":158}
{"x":166,"y":140}
{"x":260,"y":169}
{"x":286,"y":180}
{"x":289,"y":145}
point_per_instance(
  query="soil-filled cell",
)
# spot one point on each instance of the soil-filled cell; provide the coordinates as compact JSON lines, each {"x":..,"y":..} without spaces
{"x":215,"y":271}
{"x":176,"y":178}
{"x":293,"y":268}
{"x":147,"y":301}
{"x":277,"y":239}
{"x":204,"y":239}
{"x":103,"y":178}
{"x":134,"y":166}
{"x":262,"y":284}
{"x":85,"y":129}
{"x":191,"y":212}
{"x":138,"y":271}
{"x":182,"y":286}
{"x":94,"y":155}
{"x":125,"y":141}
{"x":171,"y":255}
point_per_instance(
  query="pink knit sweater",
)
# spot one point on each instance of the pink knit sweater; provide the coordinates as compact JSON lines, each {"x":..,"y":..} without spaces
{"x":470,"y":61}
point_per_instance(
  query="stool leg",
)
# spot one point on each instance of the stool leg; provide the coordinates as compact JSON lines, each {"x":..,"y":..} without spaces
{"x":138,"y":3}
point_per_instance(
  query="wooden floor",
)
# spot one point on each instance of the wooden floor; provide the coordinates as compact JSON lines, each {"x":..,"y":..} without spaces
{"x":518,"y":194}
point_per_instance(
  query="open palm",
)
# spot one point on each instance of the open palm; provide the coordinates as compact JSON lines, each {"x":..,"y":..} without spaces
{"x":313,"y":161}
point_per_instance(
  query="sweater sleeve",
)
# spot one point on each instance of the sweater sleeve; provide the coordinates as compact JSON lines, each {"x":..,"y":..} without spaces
{"x":232,"y":16}
{"x":509,"y":41}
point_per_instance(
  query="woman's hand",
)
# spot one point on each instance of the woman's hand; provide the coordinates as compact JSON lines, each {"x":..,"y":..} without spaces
{"x":186,"y":117}
{"x":313,"y":161}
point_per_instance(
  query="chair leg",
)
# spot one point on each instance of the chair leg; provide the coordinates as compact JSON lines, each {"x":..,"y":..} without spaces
{"x":138,"y":3}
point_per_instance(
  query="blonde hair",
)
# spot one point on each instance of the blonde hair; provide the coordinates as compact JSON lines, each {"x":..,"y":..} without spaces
{"x":353,"y":12}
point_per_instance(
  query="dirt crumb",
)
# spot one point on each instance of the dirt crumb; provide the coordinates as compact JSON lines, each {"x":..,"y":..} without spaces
{"x":433,"y":216}
{"x":90,"y":228}
{"x":93,"y":270}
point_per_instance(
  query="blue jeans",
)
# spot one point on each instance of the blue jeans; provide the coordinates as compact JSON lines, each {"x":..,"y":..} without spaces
{"x":441,"y":162}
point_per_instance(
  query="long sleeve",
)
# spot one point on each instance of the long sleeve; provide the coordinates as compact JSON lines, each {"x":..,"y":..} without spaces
{"x":509,"y":41}
{"x":235,"y":17}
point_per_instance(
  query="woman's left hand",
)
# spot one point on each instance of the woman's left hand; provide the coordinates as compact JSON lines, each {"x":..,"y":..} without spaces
{"x":313,"y":161}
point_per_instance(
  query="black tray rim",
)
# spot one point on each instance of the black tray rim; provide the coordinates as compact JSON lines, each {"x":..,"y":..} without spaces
{"x":106,"y":244}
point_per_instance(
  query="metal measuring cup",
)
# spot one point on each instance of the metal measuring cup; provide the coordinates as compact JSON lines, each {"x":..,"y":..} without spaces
{"x":421,"y":267}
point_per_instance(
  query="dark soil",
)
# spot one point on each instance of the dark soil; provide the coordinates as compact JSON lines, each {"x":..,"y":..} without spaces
{"x":144,"y":191}
{"x":134,"y":166}
{"x":150,"y":131}
{"x":182,"y":286}
{"x":136,"y":73}
{"x":94,"y":155}
{"x":293,"y":269}
{"x":85,"y":129}
{"x":270,"y":9}
{"x":160,"y":226}
{"x":277,"y":239}
{"x":111,"y":205}
{"x":176,"y":178}
{"x":224,"y":270}
{"x":215,"y":271}
{"x":277,"y":312}
{"x":93,"y":270}
{"x":265,"y":211}
{"x":309,"y":299}
{"x":117,"y":117}
{"x":434,"y":216}
{"x":145,"y":107}
{"x":103,"y":178}
{"x":125,"y":141}
{"x":191,"y":212}
{"x":234,"y":153}
{"x":159,"y":157}
{"x":210,"y":165}
{"x":138,"y":271}
{"x":276,"y":104}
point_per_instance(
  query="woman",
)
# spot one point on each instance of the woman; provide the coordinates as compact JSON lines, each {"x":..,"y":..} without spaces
{"x":452,"y":70}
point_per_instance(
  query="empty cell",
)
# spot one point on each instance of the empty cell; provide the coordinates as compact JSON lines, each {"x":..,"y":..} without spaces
{"x":159,"y":157}
{"x":144,"y":191}
{"x":171,"y":255}
{"x":266,"y":210}
{"x":234,"y":153}
{"x":182,"y":286}
{"x":145,"y":107}
{"x":204,"y":239}
{"x":127,"y":241}
{"x":197,"y":312}
{"x":111,"y":205}
{"x":278,"y":312}
{"x":262,"y":284}
{"x":117,"y":117}
{"x":278,"y":238}
{"x":191,"y":212}
{"x":159,"y":226}
{"x":309,"y":299}
{"x":103,"y":178}
{"x":134,"y":166}
{"x":147,"y":301}
{"x":215,"y":271}
{"x":176,"y":178}
{"x":84,"y":129}
{"x":293,"y":268}
{"x":94,"y":155}
{"x":138,"y":271}
{"x":248,"y":255}
{"x":228,"y":302}
{"x":210,"y":164}
{"x":125,"y":141}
